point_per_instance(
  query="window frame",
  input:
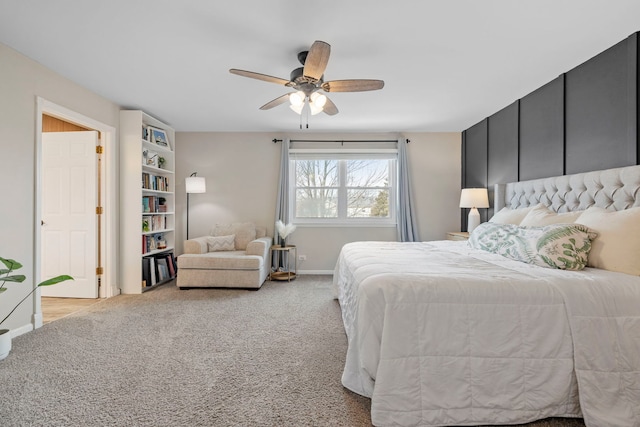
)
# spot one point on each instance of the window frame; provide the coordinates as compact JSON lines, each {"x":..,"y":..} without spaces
{"x":342,"y":156}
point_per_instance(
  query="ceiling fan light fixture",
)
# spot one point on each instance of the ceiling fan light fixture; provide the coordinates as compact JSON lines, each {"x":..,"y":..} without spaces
{"x":297,"y":99}
{"x":318,"y":100}
{"x":297,"y":108}
{"x":315,"y":109}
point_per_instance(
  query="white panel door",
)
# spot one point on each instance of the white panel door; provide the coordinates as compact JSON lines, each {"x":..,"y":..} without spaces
{"x":69,"y":225}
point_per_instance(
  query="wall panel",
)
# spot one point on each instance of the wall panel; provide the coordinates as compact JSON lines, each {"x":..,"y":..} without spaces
{"x":475,"y":152}
{"x":502,"y":149}
{"x":597,"y":113}
{"x":542,"y":132}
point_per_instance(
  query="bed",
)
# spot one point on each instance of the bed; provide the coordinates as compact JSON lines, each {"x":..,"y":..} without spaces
{"x":443,"y":333}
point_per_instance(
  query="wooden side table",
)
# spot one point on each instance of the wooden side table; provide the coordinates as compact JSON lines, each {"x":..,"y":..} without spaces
{"x":289,"y":274}
{"x":457,"y":235}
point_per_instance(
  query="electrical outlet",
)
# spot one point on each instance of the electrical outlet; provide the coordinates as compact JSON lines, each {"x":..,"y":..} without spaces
{"x":302,"y":257}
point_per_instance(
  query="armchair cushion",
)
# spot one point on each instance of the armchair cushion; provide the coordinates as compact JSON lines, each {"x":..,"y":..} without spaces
{"x":245,"y":232}
{"x":221,"y":243}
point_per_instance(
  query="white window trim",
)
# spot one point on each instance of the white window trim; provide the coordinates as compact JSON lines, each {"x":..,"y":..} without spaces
{"x":342,"y":220}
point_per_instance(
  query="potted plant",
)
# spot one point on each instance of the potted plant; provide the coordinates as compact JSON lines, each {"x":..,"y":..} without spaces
{"x":7,"y":276}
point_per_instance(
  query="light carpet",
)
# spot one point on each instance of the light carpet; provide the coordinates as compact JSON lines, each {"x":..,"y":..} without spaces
{"x":199,"y":357}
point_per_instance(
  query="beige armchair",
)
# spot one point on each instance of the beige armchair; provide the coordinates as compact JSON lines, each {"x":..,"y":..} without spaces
{"x":233,"y":256}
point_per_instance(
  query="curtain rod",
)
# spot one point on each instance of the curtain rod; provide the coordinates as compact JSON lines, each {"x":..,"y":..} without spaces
{"x":340,"y":140}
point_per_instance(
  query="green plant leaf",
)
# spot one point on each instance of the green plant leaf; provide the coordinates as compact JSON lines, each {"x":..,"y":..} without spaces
{"x":19,"y":278}
{"x":11,"y":263}
{"x":2,"y":290}
{"x":55,"y":280}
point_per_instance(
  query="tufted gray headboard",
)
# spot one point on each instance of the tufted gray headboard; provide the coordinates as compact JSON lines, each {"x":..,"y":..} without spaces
{"x":613,"y":189}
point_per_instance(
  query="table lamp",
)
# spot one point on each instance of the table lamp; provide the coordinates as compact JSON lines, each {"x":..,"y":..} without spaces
{"x":474,"y":198}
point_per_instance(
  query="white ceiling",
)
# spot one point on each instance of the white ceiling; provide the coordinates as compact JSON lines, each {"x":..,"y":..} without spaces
{"x":446,"y":64}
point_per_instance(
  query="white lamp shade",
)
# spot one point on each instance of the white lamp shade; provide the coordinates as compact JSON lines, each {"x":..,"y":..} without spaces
{"x":196,"y":184}
{"x":474,"y":198}
{"x":318,"y":99}
{"x":297,"y":98}
{"x":314,"y":109}
{"x":297,"y":108}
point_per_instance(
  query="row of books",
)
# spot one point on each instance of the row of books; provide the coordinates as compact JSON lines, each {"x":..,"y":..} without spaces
{"x":153,"y":242}
{"x":152,"y":204}
{"x":153,"y":223}
{"x":154,"y":182}
{"x":158,"y":268}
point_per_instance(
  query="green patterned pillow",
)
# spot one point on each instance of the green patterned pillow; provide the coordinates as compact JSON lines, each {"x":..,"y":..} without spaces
{"x":563,"y":246}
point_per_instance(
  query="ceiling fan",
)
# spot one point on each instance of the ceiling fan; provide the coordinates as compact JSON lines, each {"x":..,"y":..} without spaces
{"x":308,"y":82}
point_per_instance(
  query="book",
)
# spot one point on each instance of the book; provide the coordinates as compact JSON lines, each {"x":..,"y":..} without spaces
{"x":172,"y":267}
{"x":146,"y":272}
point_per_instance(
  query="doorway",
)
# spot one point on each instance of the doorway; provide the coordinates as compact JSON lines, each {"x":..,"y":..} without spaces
{"x":100,"y":211}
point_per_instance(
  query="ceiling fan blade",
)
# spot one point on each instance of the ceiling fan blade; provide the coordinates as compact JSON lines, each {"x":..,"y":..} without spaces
{"x":360,"y":85}
{"x":259,"y":76}
{"x":317,"y":60}
{"x":330,"y":108}
{"x":274,"y":103}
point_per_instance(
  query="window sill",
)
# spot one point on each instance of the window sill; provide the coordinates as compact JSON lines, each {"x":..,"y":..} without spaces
{"x":344,"y":225}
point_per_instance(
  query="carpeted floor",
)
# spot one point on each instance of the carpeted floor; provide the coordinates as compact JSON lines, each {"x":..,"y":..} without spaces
{"x":200,"y":357}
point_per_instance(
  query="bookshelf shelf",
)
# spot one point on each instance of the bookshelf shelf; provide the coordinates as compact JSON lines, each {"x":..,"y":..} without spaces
{"x":147,"y":187}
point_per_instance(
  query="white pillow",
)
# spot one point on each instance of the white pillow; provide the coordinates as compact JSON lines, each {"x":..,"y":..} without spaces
{"x":221,"y":243}
{"x":541,"y":215}
{"x":511,"y":216}
{"x":245,"y":232}
{"x":617,"y":247}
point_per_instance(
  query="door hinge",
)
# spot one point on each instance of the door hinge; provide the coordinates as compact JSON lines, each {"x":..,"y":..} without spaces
{"x":99,"y":210}
{"x":99,"y":271}
{"x":99,"y":149}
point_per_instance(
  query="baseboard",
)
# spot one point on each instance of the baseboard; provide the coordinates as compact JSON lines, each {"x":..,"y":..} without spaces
{"x":38,"y":320}
{"x":21,"y":330}
{"x":317,"y":272}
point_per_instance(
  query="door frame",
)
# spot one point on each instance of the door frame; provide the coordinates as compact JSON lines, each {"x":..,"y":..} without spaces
{"x":108,"y":227}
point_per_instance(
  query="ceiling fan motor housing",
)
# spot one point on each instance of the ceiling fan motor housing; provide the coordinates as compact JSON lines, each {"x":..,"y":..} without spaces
{"x":300,"y":82}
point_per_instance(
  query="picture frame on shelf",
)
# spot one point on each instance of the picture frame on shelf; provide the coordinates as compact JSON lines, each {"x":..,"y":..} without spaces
{"x":150,"y":158}
{"x":158,"y":136}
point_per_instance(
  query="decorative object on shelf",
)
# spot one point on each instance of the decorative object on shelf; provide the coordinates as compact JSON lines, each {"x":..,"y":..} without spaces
{"x":6,"y":276}
{"x":194,"y":184}
{"x":161,"y":162}
{"x":284,"y":230}
{"x":158,"y":136}
{"x":474,"y":198}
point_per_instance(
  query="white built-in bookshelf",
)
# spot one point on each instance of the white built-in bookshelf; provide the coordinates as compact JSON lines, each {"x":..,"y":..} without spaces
{"x":147,"y":202}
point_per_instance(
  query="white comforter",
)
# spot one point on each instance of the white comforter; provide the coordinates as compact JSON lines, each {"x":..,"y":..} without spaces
{"x":441,"y":334}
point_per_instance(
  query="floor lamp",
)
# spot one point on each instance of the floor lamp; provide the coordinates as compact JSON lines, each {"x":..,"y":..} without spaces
{"x":194,"y":184}
{"x":474,"y":198}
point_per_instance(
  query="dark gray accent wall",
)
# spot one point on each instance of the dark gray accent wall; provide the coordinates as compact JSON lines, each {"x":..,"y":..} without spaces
{"x":542,"y":132}
{"x":502,"y":148}
{"x":597,"y":97}
{"x":586,"y":119}
{"x":475,"y":155}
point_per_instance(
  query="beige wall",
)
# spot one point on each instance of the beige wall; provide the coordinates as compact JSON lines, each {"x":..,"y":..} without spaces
{"x":242,"y":171}
{"x":21,"y":81}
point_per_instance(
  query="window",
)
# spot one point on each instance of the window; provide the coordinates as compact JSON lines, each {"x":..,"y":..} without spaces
{"x":343,"y":188}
